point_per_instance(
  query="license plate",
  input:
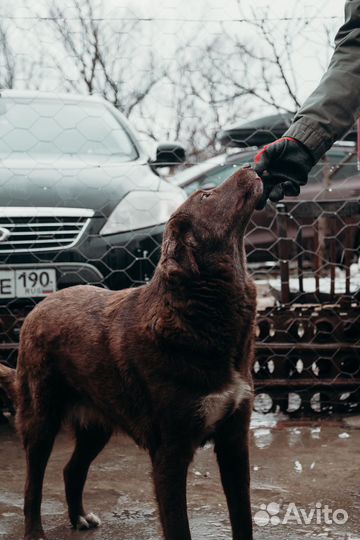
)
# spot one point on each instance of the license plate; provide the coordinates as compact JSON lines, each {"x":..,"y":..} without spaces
{"x":27,"y":283}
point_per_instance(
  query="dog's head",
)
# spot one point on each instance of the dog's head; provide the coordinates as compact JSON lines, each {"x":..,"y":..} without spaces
{"x":210,"y":223}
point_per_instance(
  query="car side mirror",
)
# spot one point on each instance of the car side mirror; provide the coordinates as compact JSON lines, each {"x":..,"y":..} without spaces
{"x":169,"y":154}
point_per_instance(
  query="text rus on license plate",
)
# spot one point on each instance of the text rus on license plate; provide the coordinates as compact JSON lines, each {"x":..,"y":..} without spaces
{"x":27,"y":282}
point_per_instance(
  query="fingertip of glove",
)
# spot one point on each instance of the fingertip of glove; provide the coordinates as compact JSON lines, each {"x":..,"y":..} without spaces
{"x":261,"y":204}
{"x":260,"y":168}
{"x":291,"y":189}
{"x":277,"y":193}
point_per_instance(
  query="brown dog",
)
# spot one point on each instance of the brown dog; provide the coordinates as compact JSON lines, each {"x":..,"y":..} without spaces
{"x":169,"y":363}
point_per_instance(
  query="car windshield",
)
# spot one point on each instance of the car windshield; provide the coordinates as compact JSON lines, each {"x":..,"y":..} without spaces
{"x":210,"y":173}
{"x":43,"y":126}
{"x":183,"y":177}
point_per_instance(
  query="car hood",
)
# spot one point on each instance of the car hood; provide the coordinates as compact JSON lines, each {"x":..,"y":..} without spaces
{"x":72,"y":182}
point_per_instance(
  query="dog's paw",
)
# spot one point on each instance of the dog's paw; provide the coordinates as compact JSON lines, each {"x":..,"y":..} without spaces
{"x":35,"y":535}
{"x":89,"y":521}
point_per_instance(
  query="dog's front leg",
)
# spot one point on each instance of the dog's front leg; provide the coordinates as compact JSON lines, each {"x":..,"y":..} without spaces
{"x":232,"y":451}
{"x":170,"y":466}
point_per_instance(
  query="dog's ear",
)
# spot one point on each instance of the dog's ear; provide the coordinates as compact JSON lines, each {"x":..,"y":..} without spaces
{"x":178,"y":258}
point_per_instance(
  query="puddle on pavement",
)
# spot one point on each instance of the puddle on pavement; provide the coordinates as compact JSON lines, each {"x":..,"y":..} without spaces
{"x":294,"y":462}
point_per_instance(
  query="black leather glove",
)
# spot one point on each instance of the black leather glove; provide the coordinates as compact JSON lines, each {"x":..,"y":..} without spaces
{"x":283,"y":166}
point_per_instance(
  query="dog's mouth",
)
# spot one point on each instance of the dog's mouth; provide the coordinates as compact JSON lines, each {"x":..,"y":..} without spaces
{"x":257,"y":186}
{"x":251,"y":187}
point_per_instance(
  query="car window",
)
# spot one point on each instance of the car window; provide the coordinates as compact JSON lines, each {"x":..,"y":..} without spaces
{"x":212,"y":178}
{"x":332,"y":159}
{"x":42,"y":126}
{"x":218,"y":176}
{"x":347,"y":169}
{"x":183,"y":177}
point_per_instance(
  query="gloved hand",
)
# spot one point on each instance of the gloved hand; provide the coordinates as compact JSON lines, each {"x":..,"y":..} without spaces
{"x":283,"y":166}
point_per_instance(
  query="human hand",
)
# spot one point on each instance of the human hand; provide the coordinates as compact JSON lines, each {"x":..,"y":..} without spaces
{"x":283,"y":166}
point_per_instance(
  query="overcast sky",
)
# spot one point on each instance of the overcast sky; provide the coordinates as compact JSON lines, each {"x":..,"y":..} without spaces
{"x":175,"y":18}
{"x":219,"y":9}
{"x":216,"y":9}
{"x":171,"y":20}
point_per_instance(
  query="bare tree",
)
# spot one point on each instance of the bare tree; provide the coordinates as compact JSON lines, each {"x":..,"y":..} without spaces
{"x":102,"y":56}
{"x":16,"y":70}
{"x":274,"y":51}
{"x":8,"y":58}
{"x":233,"y":74}
{"x":195,"y":99}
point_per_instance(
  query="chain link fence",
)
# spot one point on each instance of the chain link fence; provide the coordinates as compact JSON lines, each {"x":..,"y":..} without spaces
{"x":98,"y":102}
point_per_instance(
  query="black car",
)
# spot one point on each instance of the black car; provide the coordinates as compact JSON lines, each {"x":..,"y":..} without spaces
{"x":335,"y":177}
{"x":81,"y":202}
{"x":243,"y":142}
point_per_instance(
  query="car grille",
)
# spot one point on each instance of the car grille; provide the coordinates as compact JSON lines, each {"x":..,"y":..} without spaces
{"x":29,"y":229}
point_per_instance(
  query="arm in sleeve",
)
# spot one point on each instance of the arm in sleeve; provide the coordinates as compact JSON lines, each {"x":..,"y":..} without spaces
{"x":330,"y":111}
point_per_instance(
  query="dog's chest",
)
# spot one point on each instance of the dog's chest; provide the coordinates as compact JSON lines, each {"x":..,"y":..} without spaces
{"x":213,"y":407}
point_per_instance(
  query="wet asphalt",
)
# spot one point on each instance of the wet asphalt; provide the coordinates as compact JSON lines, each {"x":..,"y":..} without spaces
{"x":298,"y":467}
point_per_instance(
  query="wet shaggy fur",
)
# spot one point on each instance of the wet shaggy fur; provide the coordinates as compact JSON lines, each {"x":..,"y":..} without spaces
{"x":168,"y":363}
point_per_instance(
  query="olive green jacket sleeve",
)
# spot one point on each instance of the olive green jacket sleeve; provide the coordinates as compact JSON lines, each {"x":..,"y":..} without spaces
{"x":331,"y":110}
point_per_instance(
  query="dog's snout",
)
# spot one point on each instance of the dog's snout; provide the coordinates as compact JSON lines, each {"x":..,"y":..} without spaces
{"x":249,"y":185}
{"x":246,"y":177}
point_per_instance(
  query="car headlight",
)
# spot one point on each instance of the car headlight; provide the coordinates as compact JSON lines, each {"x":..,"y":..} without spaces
{"x":140,"y":209}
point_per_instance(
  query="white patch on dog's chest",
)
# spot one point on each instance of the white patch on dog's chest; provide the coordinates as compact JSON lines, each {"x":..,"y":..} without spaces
{"x":214,"y":406}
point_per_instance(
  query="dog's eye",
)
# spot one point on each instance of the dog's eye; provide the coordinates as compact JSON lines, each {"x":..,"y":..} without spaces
{"x":204,"y":195}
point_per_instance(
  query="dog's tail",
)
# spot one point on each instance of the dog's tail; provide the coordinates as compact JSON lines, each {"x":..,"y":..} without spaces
{"x":7,"y":382}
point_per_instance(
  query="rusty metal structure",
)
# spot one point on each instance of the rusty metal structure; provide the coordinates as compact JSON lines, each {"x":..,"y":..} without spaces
{"x":308,"y":353}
